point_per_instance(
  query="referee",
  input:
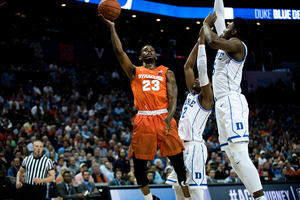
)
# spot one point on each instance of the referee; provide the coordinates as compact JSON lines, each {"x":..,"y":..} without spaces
{"x":36,"y":168}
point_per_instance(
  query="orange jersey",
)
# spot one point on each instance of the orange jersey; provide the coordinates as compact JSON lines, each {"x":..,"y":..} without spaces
{"x":149,"y":88}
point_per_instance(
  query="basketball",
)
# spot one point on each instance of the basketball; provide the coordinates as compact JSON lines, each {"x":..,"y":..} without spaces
{"x":110,"y":9}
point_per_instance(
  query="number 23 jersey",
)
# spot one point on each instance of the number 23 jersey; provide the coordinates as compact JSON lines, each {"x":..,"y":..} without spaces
{"x":149,"y":88}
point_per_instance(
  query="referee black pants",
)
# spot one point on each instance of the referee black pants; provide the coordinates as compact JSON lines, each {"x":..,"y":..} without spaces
{"x":33,"y":192}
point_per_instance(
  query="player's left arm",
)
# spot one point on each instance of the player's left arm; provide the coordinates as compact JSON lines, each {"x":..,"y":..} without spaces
{"x":207,"y":94}
{"x":172,"y":96}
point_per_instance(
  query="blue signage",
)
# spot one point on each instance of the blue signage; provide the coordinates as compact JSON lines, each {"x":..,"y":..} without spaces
{"x":202,"y":12}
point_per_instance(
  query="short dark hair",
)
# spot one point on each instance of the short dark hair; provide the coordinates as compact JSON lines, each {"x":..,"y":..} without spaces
{"x":118,"y":170}
{"x":66,"y":172}
{"x":84,"y":172}
{"x":149,"y":171}
{"x":242,"y":26}
{"x":144,"y":46}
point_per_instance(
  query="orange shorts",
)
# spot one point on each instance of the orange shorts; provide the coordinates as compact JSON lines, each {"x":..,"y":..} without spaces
{"x":149,"y":132}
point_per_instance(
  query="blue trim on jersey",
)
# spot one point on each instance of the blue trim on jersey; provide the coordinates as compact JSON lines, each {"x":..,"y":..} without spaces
{"x":246,"y":53}
{"x":232,"y":119}
{"x":192,"y":94}
{"x":241,"y":104}
{"x":195,"y":183}
{"x":224,"y":144}
{"x":203,"y":161}
{"x":237,"y":71}
{"x":193,"y":124}
{"x":171,"y":181}
{"x":233,"y":137}
{"x":204,"y":121}
{"x":201,"y":106}
{"x":227,"y":75}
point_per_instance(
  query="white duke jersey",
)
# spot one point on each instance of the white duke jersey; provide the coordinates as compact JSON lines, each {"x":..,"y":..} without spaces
{"x":193,"y":119}
{"x":227,"y":74}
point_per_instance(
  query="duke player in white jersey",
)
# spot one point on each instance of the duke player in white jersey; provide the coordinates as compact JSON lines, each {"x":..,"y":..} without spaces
{"x":195,"y":112}
{"x":231,"y":106}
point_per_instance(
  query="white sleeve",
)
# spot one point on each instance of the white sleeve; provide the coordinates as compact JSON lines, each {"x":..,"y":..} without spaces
{"x":202,"y":65}
{"x":220,"y":22}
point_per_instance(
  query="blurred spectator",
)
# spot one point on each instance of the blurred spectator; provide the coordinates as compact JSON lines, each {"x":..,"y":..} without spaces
{"x":82,"y":157}
{"x":150,"y":176}
{"x":118,"y":178}
{"x":220,"y":172}
{"x":107,"y":170}
{"x":48,"y":89}
{"x":268,"y":169}
{"x":289,"y":169}
{"x":9,"y":154}
{"x":85,"y":132}
{"x":110,"y":156}
{"x":101,"y":149}
{"x":131,"y":179}
{"x":283,"y":176}
{"x":122,"y":162}
{"x":78,"y":178}
{"x":119,"y":109}
{"x":97,"y":175}
{"x":232,"y":178}
{"x":60,"y":163}
{"x":13,"y":170}
{"x":86,"y":185}
{"x":295,"y":162}
{"x":275,"y":170}
{"x":97,"y":156}
{"x":72,"y":167}
{"x":157,"y":177}
{"x":66,"y":189}
{"x":211,"y":176}
{"x":37,"y":112}
{"x":262,"y":158}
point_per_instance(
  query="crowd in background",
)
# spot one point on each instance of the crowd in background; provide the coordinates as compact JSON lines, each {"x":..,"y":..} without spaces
{"x":81,"y":124}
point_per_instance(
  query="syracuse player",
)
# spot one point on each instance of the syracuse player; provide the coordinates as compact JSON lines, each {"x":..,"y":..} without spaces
{"x":155,"y":96}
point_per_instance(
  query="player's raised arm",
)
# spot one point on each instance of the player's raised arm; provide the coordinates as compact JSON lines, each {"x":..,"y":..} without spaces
{"x":189,"y":68}
{"x":125,"y":62}
{"x":220,"y":12}
{"x":207,"y":93}
{"x":233,"y":45}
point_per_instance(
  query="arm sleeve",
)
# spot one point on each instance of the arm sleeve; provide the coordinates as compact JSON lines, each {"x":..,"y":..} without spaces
{"x":220,"y":22}
{"x":49,"y":165}
{"x":202,"y":65}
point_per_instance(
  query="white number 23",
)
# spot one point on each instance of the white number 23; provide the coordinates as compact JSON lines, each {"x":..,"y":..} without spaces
{"x":147,"y":87}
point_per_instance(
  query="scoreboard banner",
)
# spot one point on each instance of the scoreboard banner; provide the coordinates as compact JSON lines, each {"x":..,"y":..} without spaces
{"x":202,"y":12}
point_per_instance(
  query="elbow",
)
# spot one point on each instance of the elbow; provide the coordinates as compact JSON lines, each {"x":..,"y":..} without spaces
{"x":212,"y":43}
{"x":118,"y":51}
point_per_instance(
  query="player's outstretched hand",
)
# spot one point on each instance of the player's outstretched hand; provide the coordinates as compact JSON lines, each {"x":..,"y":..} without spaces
{"x":106,"y":21}
{"x":168,"y":124}
{"x":210,"y":19}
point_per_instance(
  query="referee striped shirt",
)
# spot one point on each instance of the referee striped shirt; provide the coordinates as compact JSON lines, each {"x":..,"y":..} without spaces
{"x":36,"y":168}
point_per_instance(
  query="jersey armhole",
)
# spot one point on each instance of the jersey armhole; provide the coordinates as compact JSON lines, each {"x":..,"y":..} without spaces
{"x":197,"y":97}
{"x":135,"y":75}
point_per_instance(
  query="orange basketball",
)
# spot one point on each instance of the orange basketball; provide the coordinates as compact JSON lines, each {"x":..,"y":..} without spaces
{"x":110,"y":9}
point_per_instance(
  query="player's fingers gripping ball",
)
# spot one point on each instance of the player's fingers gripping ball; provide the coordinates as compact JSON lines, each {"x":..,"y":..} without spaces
{"x":110,"y":9}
